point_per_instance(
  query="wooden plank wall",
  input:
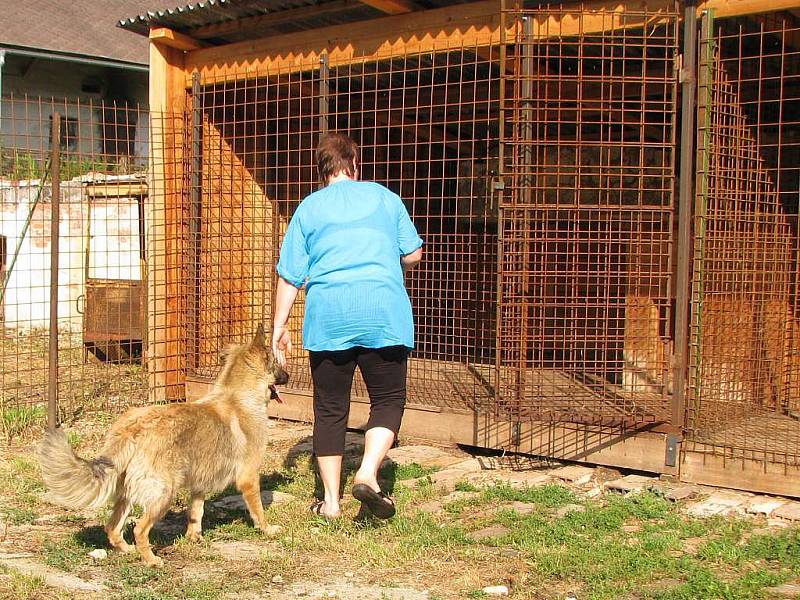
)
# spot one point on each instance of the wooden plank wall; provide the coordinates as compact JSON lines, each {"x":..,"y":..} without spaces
{"x":236,"y":257}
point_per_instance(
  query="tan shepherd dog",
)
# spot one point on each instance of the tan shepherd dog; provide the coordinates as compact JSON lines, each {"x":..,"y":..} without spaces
{"x":151,"y":452}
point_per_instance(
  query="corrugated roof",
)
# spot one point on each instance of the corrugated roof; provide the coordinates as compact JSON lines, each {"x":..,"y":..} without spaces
{"x":208,"y":12}
{"x":189,"y":17}
{"x":80,"y":27}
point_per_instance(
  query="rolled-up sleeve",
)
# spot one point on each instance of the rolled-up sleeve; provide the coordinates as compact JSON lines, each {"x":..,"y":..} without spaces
{"x":293,"y":261}
{"x":408,"y":239}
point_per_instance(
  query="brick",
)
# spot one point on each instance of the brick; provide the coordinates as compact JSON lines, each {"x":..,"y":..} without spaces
{"x":574,"y":474}
{"x":683,"y":492}
{"x":631,"y":483}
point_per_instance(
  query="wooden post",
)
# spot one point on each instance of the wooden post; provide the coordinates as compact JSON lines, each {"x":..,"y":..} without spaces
{"x":165,"y":285}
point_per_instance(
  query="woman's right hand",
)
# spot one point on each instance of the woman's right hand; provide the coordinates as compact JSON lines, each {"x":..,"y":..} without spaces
{"x":281,"y":343}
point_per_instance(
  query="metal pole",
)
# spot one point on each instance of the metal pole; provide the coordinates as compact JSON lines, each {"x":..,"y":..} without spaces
{"x":688,"y":78}
{"x":324,"y":91}
{"x":2,"y":64}
{"x":194,"y":223}
{"x":52,"y":363}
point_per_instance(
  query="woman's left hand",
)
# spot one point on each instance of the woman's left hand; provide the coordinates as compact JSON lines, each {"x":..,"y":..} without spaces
{"x":281,"y":344}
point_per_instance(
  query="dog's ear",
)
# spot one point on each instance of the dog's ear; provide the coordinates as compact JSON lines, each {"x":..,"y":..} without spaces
{"x":260,"y":339}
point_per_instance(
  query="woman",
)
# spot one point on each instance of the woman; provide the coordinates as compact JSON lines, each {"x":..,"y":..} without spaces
{"x":350,"y":243}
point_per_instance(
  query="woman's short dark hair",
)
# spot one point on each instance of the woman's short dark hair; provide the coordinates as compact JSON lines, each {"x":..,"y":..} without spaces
{"x":336,"y":152}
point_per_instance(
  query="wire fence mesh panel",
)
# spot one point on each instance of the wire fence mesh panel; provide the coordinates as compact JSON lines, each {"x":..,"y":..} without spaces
{"x":101,"y":177}
{"x":427,"y":127}
{"x":744,"y":375}
{"x":587,"y":217}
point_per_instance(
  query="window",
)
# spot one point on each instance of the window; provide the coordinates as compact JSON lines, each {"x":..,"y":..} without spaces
{"x":69,"y":133}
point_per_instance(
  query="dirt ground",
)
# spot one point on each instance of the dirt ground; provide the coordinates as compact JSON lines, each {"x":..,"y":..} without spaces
{"x":468,"y":526}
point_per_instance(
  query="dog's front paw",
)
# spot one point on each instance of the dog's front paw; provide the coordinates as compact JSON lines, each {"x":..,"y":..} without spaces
{"x":124,"y":547}
{"x":154,"y":561}
{"x":272,"y":530}
{"x":194,"y":536}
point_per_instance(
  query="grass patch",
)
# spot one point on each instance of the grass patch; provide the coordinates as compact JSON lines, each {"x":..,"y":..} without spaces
{"x":17,"y":420}
{"x":19,"y":516}
{"x":409,"y":471}
{"x":67,"y":554}
{"x":548,"y":496}
{"x":21,"y":587}
{"x":617,"y":547}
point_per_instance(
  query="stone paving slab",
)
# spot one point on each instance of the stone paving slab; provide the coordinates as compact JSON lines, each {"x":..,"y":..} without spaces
{"x":764,"y":505}
{"x":239,"y":551}
{"x":569,"y":508}
{"x":787,"y":590}
{"x":521,"y":508}
{"x":789,"y":511}
{"x":52,"y":577}
{"x":520,"y":479}
{"x":426,"y":456}
{"x":435,"y":506}
{"x":488,"y":533}
{"x":721,"y":503}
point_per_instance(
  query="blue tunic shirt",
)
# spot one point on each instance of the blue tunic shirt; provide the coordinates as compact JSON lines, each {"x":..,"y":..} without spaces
{"x":344,"y":244}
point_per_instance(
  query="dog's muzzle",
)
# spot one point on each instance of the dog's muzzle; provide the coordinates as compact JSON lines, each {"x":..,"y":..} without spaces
{"x":281,"y":378}
{"x":274,"y":395}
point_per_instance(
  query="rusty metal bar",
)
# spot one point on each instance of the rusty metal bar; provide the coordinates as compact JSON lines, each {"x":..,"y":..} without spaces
{"x":688,"y":78}
{"x":324,"y":92}
{"x":195,"y":219}
{"x":55,"y":220}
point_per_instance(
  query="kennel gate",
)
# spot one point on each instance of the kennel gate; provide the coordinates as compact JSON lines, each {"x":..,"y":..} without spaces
{"x":744,"y":411}
{"x":540,"y":173}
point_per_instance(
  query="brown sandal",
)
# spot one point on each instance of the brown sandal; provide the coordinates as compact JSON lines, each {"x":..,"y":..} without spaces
{"x":379,"y":503}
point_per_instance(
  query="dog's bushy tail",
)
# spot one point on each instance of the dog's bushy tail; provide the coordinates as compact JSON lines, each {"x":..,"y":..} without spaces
{"x":73,"y":481}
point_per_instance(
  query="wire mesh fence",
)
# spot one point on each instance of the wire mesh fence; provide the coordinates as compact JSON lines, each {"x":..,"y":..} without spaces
{"x":99,"y":176}
{"x":540,"y":171}
{"x":587,"y":217}
{"x":427,"y":127}
{"x":746,"y":401}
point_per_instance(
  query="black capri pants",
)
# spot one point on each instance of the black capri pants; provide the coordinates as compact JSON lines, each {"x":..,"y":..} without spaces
{"x":384,"y":373}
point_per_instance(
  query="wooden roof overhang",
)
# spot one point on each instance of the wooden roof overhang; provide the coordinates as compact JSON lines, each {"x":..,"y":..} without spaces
{"x":403,"y":29}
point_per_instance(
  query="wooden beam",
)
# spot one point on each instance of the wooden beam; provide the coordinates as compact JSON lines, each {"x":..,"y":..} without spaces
{"x":741,"y":473}
{"x":165,"y":348}
{"x":740,"y":8}
{"x":392,"y":7}
{"x":262,"y":22}
{"x":175,"y":39}
{"x":472,"y":26}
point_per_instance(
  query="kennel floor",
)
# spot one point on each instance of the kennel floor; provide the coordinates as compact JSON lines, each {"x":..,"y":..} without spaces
{"x":771,"y":436}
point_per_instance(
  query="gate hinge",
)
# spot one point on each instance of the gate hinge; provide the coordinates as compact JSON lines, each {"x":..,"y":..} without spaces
{"x":684,"y":75}
{"x":673,"y":445}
